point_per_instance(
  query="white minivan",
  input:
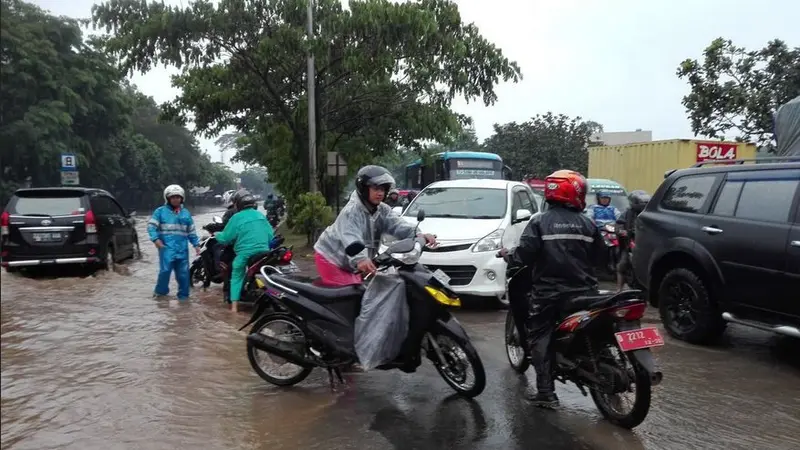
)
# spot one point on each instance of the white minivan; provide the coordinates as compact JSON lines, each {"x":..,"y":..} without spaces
{"x":472,"y":220}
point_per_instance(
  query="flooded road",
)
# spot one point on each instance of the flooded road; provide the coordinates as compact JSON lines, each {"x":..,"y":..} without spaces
{"x":95,"y":362}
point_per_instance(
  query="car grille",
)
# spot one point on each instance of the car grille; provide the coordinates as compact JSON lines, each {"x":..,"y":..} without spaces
{"x":449,"y":248}
{"x":459,"y":275}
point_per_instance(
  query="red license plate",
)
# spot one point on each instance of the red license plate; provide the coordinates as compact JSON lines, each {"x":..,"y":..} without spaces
{"x":639,"y":339}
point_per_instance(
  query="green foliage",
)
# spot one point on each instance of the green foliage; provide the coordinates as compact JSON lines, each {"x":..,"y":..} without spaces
{"x":310,"y":214}
{"x":738,"y":91}
{"x":61,"y":94}
{"x":544,"y":144}
{"x":256,"y":180}
{"x":387,"y":73}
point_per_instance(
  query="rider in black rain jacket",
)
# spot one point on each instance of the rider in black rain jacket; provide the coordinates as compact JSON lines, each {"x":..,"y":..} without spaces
{"x":561,"y":246}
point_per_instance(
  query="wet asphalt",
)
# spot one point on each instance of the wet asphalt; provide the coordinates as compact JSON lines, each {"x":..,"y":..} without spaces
{"x":93,"y":362}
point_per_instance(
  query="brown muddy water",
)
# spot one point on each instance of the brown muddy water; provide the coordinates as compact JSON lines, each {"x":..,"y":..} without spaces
{"x":94,"y":362}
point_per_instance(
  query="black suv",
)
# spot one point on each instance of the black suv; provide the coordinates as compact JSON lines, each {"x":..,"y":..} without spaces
{"x":65,"y":225}
{"x":721,"y":244}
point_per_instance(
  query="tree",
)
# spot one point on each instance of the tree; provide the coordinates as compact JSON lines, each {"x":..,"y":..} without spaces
{"x":738,"y":91}
{"x":545,"y":143}
{"x":256,"y":180}
{"x":386,"y":75}
{"x":62,"y":94}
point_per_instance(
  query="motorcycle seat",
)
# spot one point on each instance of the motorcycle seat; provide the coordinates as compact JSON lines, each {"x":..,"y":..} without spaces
{"x":318,"y":292}
{"x":257,"y":257}
{"x":586,"y":302}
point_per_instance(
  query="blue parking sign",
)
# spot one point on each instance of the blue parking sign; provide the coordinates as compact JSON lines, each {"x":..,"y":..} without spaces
{"x":69,"y":162}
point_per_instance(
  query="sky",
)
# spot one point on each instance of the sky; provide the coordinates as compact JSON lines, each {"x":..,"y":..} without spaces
{"x":611,"y":61}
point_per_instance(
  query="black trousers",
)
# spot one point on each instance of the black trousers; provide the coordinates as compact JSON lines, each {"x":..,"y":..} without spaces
{"x":227,"y":258}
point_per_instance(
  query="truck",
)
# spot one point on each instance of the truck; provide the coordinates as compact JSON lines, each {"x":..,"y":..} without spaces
{"x":643,"y":165}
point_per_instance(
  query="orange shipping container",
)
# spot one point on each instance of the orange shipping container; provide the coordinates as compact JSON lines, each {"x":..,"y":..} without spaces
{"x":642,"y":165}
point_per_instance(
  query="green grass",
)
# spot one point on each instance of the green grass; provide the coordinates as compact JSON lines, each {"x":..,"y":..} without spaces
{"x":296,"y":240}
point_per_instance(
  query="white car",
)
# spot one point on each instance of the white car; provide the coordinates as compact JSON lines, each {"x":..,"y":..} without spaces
{"x":472,"y":220}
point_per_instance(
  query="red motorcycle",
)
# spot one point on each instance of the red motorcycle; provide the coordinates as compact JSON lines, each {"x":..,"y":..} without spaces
{"x":611,"y":257}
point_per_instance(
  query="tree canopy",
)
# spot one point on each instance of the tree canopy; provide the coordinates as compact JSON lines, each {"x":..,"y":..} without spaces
{"x":62,"y":94}
{"x":544,"y":144}
{"x":386,"y":73}
{"x":738,"y":91}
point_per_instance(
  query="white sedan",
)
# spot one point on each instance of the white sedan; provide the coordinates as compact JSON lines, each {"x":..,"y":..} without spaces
{"x":472,"y":220}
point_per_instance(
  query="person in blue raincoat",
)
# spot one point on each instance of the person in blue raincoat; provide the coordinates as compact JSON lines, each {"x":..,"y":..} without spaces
{"x":171,"y":229}
{"x":603,"y":212}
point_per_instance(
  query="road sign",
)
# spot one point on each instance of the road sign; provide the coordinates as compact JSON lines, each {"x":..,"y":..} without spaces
{"x":336,"y":165}
{"x":70,"y":178}
{"x":69,"y":162}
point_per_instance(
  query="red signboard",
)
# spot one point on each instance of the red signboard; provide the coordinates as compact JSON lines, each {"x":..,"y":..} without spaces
{"x":716,"y":151}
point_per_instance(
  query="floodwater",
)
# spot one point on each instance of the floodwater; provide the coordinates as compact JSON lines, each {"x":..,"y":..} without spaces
{"x":94,"y":362}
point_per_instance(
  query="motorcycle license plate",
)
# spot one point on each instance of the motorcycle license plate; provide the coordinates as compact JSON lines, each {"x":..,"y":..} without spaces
{"x":441,"y":277}
{"x":639,"y":339}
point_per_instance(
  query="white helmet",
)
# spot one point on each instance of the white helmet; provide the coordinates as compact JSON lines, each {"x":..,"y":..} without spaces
{"x":173,"y":190}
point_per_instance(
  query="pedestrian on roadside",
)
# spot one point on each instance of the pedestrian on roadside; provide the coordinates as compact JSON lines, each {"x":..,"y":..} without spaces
{"x":171,"y":229}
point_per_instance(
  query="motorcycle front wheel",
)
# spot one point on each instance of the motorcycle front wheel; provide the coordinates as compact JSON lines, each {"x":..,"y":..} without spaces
{"x":514,"y":348}
{"x":462,"y":368}
{"x":611,"y":405}
{"x":197,"y":273}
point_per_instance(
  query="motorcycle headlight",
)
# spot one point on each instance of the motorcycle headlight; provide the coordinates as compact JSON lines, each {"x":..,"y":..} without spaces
{"x":411,"y":257}
{"x":492,"y":242}
{"x":610,"y":228}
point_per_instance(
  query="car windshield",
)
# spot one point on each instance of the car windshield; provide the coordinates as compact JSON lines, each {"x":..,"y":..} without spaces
{"x":49,"y":204}
{"x":460,"y":203}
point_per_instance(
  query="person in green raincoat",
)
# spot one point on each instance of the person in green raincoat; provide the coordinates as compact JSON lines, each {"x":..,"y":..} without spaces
{"x":250,"y":234}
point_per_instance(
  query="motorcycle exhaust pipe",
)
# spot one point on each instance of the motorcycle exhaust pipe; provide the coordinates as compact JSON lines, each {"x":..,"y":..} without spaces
{"x":285,"y":350}
{"x":655,"y":378}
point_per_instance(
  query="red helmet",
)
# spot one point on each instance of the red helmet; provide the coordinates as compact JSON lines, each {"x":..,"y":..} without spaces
{"x":567,"y":187}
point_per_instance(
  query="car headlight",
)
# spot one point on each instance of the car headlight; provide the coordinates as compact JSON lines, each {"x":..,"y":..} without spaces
{"x":492,"y":242}
{"x":411,"y":257}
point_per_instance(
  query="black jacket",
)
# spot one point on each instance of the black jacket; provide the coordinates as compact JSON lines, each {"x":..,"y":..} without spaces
{"x":561,"y":246}
{"x":630,"y":223}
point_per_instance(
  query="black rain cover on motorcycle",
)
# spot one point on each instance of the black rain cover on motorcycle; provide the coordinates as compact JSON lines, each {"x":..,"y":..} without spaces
{"x":787,"y":128}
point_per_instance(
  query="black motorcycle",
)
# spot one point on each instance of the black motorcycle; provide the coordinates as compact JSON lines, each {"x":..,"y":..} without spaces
{"x":600,"y":346}
{"x":206,"y":267}
{"x":317,"y":323}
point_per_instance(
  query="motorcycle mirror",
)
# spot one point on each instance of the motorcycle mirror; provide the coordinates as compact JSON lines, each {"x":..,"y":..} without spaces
{"x":217,"y":219}
{"x":421,"y":215}
{"x":354,"y":248}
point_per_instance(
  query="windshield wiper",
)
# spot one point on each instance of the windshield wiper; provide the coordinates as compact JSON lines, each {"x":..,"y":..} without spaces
{"x":449,"y":216}
{"x":484,"y":217}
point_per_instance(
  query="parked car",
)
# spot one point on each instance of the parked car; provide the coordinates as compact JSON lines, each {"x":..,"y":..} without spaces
{"x":720,"y":245}
{"x":472,"y":220}
{"x":65,"y":225}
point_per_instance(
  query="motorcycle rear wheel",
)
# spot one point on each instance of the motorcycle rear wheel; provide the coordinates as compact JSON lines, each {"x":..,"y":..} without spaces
{"x":641,"y":404}
{"x":197,"y":274}
{"x":254,"y":355}
{"x":456,"y":353}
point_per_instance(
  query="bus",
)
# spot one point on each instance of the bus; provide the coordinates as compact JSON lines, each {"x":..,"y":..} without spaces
{"x":456,"y":166}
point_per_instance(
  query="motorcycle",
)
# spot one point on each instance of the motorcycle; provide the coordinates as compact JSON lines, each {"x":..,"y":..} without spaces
{"x":319,"y":323}
{"x":273,"y":218}
{"x":601,"y":346}
{"x":279,"y":258}
{"x":206,"y":267}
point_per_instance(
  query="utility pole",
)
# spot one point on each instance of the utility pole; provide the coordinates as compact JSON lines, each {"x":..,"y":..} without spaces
{"x":312,"y":113}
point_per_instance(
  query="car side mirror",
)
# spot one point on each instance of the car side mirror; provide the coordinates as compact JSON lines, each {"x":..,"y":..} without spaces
{"x":398,"y":210}
{"x":521,"y":215}
{"x":354,"y":249}
{"x":421,"y":215}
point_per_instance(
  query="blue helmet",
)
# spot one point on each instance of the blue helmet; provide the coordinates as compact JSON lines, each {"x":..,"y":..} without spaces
{"x":601,"y":194}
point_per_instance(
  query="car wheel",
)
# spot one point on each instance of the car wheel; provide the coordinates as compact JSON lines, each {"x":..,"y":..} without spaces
{"x":109,"y":258}
{"x":137,"y":251}
{"x":687,"y":309}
